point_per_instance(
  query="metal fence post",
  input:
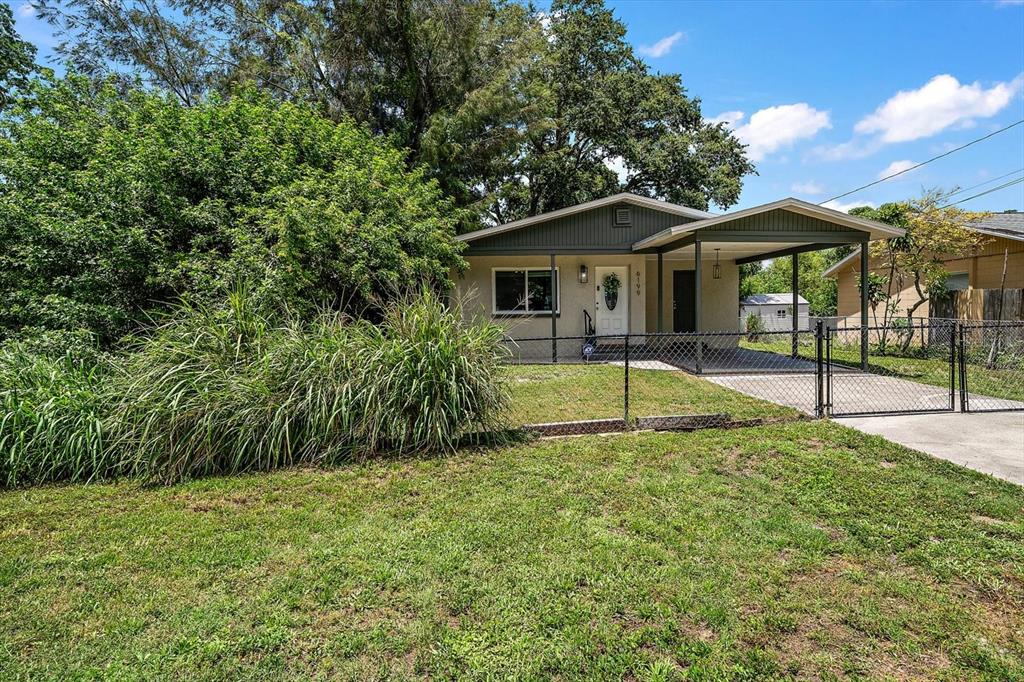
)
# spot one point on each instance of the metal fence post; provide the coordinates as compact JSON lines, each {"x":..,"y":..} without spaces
{"x":964,"y":407}
{"x":819,"y":384}
{"x":828,"y":372}
{"x":625,"y":396}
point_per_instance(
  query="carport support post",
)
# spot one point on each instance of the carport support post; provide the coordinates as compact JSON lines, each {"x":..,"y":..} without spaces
{"x":554,"y":312}
{"x":661,"y":289}
{"x":796,"y":302}
{"x":696,"y":305}
{"x":864,"y":306}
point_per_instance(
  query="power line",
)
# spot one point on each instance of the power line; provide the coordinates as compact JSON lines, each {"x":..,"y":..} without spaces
{"x":980,"y":184}
{"x":918,"y":165}
{"x":988,"y":191}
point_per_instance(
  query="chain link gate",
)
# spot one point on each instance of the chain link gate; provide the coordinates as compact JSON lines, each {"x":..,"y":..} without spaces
{"x":991,"y":366}
{"x":890,"y":370}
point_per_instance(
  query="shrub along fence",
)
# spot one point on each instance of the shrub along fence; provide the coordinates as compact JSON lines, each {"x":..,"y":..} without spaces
{"x":581,"y":384}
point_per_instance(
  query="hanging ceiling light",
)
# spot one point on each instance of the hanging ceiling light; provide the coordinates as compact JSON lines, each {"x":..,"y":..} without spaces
{"x":716,"y":270}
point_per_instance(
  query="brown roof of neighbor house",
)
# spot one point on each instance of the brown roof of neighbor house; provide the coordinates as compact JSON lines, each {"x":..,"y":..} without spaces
{"x":1010,"y":225}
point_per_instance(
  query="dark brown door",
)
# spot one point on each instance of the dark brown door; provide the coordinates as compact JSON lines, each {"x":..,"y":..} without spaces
{"x":683,"y":319}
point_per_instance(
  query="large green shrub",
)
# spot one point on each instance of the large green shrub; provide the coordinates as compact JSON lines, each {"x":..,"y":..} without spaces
{"x":114,"y":203}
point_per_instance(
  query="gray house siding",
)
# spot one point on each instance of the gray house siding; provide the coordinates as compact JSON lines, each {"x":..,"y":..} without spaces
{"x":778,"y":223}
{"x":591,"y":231}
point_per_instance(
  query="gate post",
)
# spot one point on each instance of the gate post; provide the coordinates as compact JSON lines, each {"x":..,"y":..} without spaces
{"x":963,"y":366}
{"x":819,"y":378}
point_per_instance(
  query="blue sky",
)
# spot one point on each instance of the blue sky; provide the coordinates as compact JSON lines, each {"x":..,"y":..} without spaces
{"x":830,"y":95}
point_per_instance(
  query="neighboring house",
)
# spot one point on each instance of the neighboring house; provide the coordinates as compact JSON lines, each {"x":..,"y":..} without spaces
{"x":676,"y":267}
{"x":973,"y":283}
{"x":775,"y":311}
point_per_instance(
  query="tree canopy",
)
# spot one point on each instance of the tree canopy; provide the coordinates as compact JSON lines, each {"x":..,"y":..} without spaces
{"x":16,"y":57}
{"x":114,"y":202}
{"x":514,"y":111}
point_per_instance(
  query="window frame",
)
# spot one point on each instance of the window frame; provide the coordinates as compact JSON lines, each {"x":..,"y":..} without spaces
{"x":526,"y":275}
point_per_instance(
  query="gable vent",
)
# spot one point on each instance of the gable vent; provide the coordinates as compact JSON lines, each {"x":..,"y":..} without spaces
{"x":623,"y":217}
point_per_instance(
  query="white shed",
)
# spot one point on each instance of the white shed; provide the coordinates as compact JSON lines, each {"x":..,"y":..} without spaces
{"x":775,"y":311}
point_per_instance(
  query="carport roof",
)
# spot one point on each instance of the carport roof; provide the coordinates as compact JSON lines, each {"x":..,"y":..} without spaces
{"x":827,"y":216}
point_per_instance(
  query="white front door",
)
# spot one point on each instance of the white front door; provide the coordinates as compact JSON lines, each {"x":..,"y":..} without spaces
{"x":611,"y":307}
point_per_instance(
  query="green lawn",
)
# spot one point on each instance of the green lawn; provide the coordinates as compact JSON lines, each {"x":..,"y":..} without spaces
{"x":801,"y":549}
{"x":548,"y":393}
{"x":996,"y":383}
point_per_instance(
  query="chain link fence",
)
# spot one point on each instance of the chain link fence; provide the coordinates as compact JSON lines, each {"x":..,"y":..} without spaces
{"x":587,"y":384}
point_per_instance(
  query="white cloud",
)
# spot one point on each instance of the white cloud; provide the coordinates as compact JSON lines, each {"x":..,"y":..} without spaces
{"x":774,"y":128}
{"x":618,"y":165}
{"x":26,"y":9}
{"x":896,"y":167}
{"x":729,"y":118}
{"x":662,"y":47}
{"x":846,"y":206}
{"x":940,"y":103}
{"x":810,"y":188}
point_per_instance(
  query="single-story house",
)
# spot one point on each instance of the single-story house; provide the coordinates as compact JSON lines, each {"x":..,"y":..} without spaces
{"x":775,"y":311}
{"x":973,"y":282}
{"x":629,"y":264}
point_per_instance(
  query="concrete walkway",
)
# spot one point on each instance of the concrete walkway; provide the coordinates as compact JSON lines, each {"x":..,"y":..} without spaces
{"x":990,"y":442}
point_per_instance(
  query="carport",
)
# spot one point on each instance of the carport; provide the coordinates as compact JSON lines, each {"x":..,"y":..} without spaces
{"x":781,"y":229}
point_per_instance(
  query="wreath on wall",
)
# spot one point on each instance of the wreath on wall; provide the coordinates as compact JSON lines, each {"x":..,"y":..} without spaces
{"x":611,"y":284}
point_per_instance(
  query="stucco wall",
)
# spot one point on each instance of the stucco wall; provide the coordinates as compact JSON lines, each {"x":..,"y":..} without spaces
{"x":720,"y":297}
{"x":474,"y":293}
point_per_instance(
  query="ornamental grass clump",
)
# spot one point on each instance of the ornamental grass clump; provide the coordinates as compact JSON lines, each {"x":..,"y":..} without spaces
{"x":428,"y":377}
{"x":218,"y":390}
{"x":52,"y":409}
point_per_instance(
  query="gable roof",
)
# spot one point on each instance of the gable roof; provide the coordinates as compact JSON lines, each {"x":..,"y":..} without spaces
{"x":624,"y":197}
{"x":1006,"y":225}
{"x":875,"y":229}
{"x":773,"y":299}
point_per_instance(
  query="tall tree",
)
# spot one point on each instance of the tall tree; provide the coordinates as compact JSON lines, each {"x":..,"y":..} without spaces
{"x":572,"y":114}
{"x":16,"y":57}
{"x":914,"y":263}
{"x":514,"y":111}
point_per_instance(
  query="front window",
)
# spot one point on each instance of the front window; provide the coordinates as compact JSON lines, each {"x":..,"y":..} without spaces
{"x":780,"y":313}
{"x":522,"y":291}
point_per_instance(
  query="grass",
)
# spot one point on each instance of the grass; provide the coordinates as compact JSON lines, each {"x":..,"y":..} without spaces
{"x":792,"y":550}
{"x":548,"y":393}
{"x":1007,"y":383}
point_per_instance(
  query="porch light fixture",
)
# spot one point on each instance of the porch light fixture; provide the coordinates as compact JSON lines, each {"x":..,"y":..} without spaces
{"x":583,"y":273}
{"x":716,"y":269}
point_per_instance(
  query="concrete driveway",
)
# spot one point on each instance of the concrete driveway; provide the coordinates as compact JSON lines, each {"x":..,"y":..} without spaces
{"x":990,"y":442}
